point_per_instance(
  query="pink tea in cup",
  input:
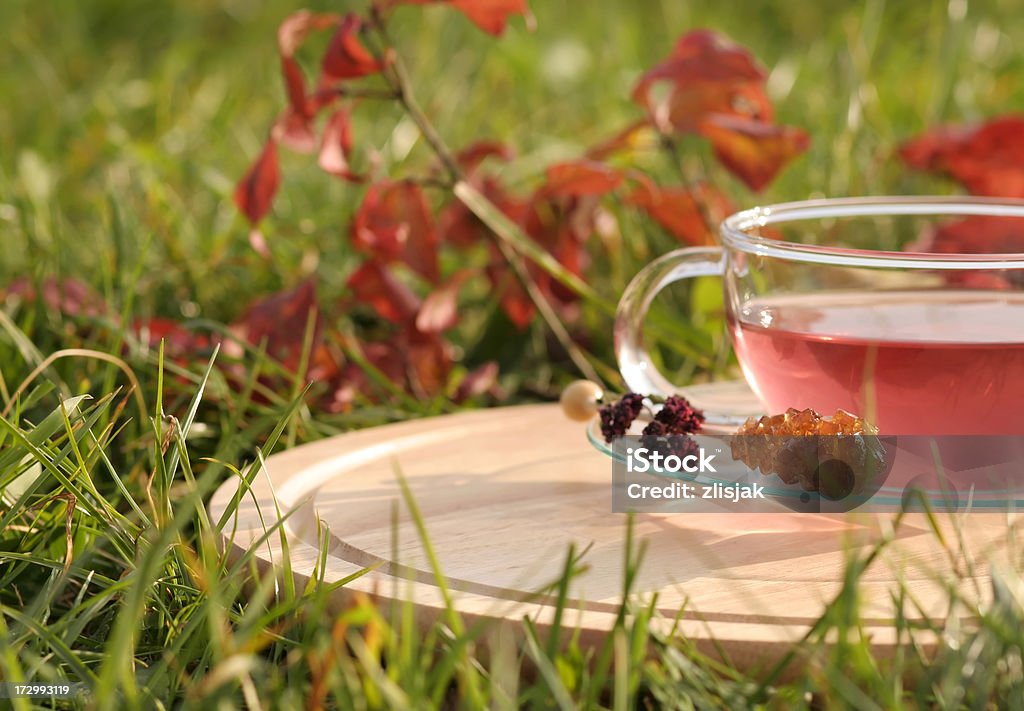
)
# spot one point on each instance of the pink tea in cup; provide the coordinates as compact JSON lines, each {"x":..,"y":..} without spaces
{"x":927,"y":362}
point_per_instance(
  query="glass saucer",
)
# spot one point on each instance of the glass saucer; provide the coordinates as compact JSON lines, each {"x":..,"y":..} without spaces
{"x":958,"y":490}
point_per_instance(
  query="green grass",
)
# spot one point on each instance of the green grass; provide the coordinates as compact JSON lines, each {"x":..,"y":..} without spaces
{"x":125,"y":129}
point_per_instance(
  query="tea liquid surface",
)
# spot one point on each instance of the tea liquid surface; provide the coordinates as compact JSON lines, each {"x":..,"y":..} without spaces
{"x":944,"y":362}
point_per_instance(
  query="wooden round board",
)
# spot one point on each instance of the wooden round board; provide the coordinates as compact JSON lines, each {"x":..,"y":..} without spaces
{"x":503,"y":492}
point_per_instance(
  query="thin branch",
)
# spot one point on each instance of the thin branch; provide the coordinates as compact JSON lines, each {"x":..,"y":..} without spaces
{"x":399,"y":79}
{"x":692,"y":182}
{"x":402,"y":85}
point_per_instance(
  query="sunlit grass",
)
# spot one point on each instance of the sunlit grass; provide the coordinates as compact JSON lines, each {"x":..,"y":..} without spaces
{"x":125,"y":128}
{"x":147,"y":607}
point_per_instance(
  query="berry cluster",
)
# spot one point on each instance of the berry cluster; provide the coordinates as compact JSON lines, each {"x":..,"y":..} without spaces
{"x":616,"y":417}
{"x":679,"y":417}
{"x":659,"y":437}
{"x":676,"y":417}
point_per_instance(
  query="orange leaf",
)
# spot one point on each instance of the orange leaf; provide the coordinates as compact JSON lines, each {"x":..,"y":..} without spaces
{"x":679,"y":210}
{"x":580,"y":178}
{"x":470,"y":157}
{"x":346,"y":57}
{"x":256,"y":190}
{"x":491,"y":16}
{"x":394,"y":225}
{"x":336,"y":145}
{"x":987,"y":159}
{"x":706,"y":73}
{"x":375,"y":285}
{"x":753,"y":151}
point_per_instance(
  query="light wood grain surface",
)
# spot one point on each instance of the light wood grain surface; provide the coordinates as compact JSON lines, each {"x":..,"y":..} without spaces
{"x":505,"y":491}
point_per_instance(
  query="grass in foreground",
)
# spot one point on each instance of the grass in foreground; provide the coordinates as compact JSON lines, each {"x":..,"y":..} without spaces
{"x":111,"y":574}
{"x":133,"y":122}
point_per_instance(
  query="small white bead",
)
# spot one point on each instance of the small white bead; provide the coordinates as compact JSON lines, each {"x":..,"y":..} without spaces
{"x":580,"y":400}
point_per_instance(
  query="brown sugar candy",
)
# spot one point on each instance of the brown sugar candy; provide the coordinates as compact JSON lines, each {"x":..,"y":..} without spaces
{"x":794,"y":444}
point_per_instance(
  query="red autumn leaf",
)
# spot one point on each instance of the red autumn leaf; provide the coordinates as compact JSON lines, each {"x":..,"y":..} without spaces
{"x":375,"y":285}
{"x":281,"y":321}
{"x":470,"y":157}
{"x":353,"y":382}
{"x":928,"y":152}
{"x":294,"y":128}
{"x":987,"y":159}
{"x":753,"y":151}
{"x":477,"y":381}
{"x":579,"y":178}
{"x":416,"y":362}
{"x":346,"y":57}
{"x":419,"y":363}
{"x":460,"y":227}
{"x":295,"y":86}
{"x":290,"y":35}
{"x":73,"y":297}
{"x":385,"y":357}
{"x":295,"y":132}
{"x":180,"y":342}
{"x":706,"y":73}
{"x":336,"y":145}
{"x":491,"y":16}
{"x":394,"y":224}
{"x":68,"y":296}
{"x":516,"y":303}
{"x":562,"y":216}
{"x":512,"y":297}
{"x":978,"y":234}
{"x":456,"y":224}
{"x":439,"y":311}
{"x":428,"y":359}
{"x":681,"y":211}
{"x":296,"y":27}
{"x":256,"y":190}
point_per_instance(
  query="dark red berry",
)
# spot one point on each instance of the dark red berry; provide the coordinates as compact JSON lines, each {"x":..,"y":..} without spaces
{"x":679,"y":416}
{"x":658,"y":437}
{"x":618,"y":416}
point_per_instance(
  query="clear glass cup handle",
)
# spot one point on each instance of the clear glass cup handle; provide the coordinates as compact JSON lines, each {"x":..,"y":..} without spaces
{"x":635,"y":364}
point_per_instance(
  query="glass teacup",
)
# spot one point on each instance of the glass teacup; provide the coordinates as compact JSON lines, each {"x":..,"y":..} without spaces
{"x":886,"y":307}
